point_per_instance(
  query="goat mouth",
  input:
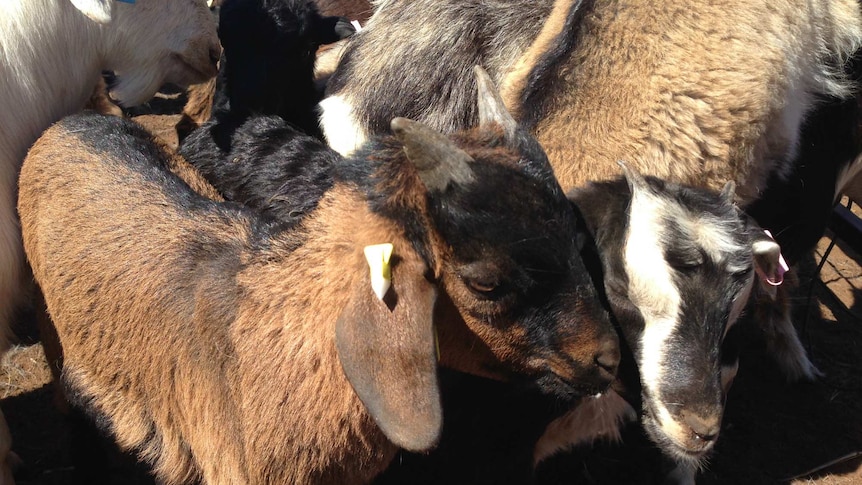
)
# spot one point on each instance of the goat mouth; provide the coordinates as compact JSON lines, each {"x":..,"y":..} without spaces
{"x":669,"y":443}
{"x":566,"y":389}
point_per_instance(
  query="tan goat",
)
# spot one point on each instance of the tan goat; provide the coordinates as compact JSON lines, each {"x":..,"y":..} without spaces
{"x":227,"y":349}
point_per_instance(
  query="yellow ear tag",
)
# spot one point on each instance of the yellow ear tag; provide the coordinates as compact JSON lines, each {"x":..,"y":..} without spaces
{"x":378,"y":256}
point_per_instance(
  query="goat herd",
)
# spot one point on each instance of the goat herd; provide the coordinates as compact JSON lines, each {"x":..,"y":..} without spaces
{"x":560,"y":208}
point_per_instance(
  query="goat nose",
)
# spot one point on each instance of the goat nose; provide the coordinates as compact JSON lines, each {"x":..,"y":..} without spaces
{"x":608,"y":357}
{"x":705,"y":428}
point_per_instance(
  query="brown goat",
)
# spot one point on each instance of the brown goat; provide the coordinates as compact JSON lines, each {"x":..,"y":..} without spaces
{"x":699,"y":94}
{"x":227,"y":349}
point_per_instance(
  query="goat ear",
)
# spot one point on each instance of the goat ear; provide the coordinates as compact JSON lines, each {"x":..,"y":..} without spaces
{"x":491,"y":106}
{"x":332,"y":29}
{"x":768,"y":263}
{"x":633,"y":178}
{"x":387,"y":350}
{"x":97,"y":10}
{"x":437,"y":159}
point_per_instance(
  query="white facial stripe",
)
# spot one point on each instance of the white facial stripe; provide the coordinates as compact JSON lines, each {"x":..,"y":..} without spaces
{"x":651,"y":287}
{"x":340,"y":128}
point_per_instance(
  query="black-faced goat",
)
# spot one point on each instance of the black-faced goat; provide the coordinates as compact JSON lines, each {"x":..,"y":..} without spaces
{"x":243,"y":323}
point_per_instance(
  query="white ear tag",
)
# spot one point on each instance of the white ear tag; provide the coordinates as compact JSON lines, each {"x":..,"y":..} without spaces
{"x":378,"y":256}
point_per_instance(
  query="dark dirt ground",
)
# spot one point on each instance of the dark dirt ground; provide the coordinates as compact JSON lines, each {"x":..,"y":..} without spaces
{"x":773,"y":432}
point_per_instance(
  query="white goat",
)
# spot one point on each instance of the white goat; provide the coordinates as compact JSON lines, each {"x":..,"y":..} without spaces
{"x":52,"y":53}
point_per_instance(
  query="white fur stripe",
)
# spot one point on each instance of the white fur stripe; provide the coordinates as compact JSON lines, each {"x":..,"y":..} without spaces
{"x":340,"y":128}
{"x":651,"y":288}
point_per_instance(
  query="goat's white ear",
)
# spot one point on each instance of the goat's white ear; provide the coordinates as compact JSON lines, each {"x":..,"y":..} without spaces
{"x":97,"y":10}
{"x":388,"y":353}
{"x":491,"y":106}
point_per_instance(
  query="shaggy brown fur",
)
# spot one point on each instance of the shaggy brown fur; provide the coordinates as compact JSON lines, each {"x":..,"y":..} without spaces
{"x":100,"y":102}
{"x":685,"y":97}
{"x":695,"y":93}
{"x":199,"y":387}
{"x":198,"y":109}
{"x":220,"y":347}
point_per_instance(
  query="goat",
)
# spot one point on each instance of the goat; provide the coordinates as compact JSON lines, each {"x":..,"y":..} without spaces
{"x":729,"y":111}
{"x":48,"y":76}
{"x":54,"y":53}
{"x":234,"y":133}
{"x":678,"y":276}
{"x":738,"y":124}
{"x":272,"y":46}
{"x":282,"y":173}
{"x":490,"y":33}
{"x":714,"y":111}
{"x":245,"y":323}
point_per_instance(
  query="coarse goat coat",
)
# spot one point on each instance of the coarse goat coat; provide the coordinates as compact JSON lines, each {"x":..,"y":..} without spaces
{"x":245,"y":322}
{"x":696,"y":94}
{"x":52,"y":54}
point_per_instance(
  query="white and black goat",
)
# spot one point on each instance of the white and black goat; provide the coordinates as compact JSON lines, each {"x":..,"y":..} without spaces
{"x":244,"y":323}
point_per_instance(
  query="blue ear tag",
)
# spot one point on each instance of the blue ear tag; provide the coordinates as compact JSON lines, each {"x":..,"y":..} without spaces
{"x":126,"y":1}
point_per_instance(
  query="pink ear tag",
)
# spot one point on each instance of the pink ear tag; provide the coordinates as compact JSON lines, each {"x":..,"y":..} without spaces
{"x":782,"y":268}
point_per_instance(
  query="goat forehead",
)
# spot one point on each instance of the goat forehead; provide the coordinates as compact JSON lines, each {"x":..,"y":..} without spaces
{"x":722,"y":240}
{"x":505,"y":207}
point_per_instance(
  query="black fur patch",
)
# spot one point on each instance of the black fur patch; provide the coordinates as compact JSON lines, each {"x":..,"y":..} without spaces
{"x":543,"y":77}
{"x":269,"y":54}
{"x":263,"y":163}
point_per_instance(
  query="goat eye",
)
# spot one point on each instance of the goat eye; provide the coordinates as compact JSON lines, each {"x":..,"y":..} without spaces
{"x":487,"y":288}
{"x":482,"y":286}
{"x":686,"y":267}
{"x":684,"y":262}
